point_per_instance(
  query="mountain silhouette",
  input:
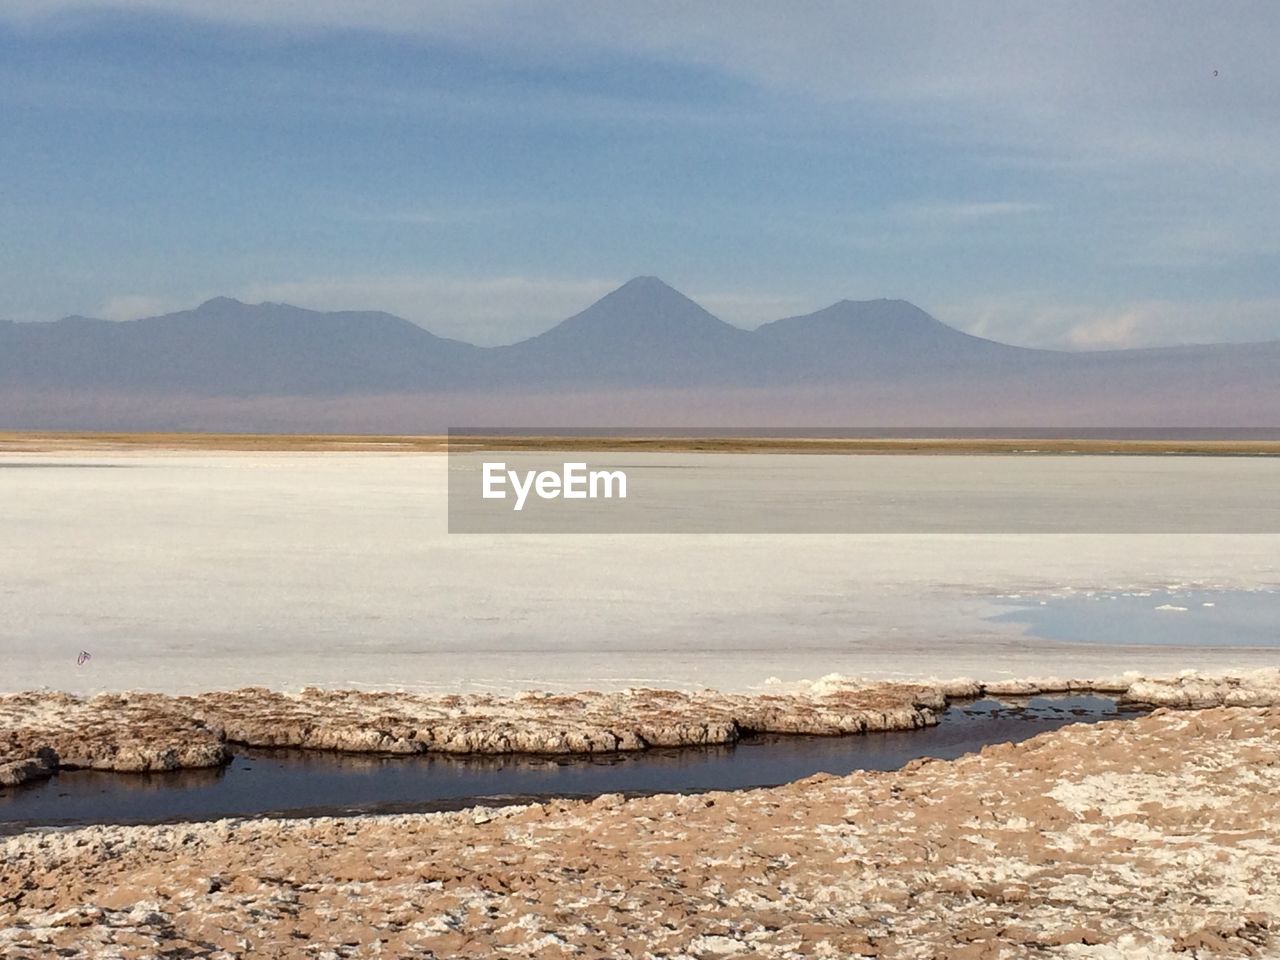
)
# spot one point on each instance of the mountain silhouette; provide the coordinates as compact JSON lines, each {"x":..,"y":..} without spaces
{"x":643,"y":354}
{"x":643,"y":333}
{"x":877,"y":338}
{"x":225,"y":346}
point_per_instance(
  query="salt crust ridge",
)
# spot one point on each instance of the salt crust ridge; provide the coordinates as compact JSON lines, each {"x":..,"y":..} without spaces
{"x":42,"y":732}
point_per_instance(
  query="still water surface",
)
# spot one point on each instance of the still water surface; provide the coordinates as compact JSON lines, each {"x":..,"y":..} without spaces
{"x":297,"y":783}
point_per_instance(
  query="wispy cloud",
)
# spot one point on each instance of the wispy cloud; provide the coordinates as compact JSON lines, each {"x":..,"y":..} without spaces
{"x":936,"y":150}
{"x":1095,"y":82}
{"x":1130,"y":327}
{"x":1036,"y":320}
{"x":131,"y":306}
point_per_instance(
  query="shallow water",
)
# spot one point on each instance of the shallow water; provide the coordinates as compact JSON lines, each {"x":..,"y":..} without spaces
{"x":1188,"y":618}
{"x":297,"y":783}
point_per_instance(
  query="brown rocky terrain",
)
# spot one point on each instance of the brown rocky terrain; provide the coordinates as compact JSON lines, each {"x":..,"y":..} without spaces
{"x":1156,"y":837}
{"x":42,"y":732}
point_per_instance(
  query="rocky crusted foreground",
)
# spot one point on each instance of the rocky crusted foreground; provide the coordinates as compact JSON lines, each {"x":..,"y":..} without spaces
{"x":40,"y":732}
{"x":43,"y":732}
{"x":1157,"y":837}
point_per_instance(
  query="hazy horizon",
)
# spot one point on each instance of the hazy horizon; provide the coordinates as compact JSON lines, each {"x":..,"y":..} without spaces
{"x":221,"y":298}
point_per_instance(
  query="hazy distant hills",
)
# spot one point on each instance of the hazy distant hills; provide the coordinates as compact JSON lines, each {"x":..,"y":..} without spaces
{"x":875,"y":338}
{"x":224,"y":346}
{"x":642,"y":355}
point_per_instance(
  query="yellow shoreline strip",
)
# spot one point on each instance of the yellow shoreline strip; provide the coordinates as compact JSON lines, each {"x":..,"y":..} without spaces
{"x":56,"y":442}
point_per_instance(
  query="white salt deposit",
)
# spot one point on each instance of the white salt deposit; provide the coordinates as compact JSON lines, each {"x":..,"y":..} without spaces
{"x":193,"y":572}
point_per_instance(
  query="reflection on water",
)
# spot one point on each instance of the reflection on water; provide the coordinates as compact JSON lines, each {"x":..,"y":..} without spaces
{"x":277,"y":782}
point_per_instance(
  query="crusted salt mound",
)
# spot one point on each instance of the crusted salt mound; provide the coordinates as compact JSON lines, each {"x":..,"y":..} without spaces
{"x":1154,"y":838}
{"x":1256,"y":688}
{"x":150,"y":731}
{"x":136,"y":732}
{"x":16,"y":772}
{"x":554,"y":723}
{"x":147,"y":731}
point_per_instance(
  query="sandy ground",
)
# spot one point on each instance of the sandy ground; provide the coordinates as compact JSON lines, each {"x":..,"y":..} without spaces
{"x":73,"y":442}
{"x":1150,"y":838}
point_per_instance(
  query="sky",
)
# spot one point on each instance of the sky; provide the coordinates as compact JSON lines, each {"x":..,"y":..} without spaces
{"x":1078,"y":175}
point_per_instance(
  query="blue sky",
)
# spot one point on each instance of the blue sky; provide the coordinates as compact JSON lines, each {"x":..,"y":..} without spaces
{"x":1062,"y":175}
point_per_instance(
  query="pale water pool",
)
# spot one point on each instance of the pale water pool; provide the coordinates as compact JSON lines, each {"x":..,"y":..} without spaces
{"x":1177,"y":618}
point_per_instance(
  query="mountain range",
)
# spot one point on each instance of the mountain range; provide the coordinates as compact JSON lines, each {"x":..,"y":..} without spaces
{"x":643,"y":355}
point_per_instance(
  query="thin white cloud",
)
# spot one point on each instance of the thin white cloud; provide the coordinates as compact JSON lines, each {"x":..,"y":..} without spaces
{"x":1123,"y":93}
{"x":1111,"y":331}
{"x":1098,"y":83}
{"x":1037,"y":321}
{"x":131,"y":306}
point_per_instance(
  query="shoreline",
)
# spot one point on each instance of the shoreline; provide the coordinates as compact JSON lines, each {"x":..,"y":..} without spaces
{"x":1044,"y":442}
{"x":1045,"y":848}
{"x":44,"y":732}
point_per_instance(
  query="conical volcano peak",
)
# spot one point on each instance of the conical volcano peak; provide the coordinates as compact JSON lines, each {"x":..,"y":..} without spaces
{"x":647,"y":282}
{"x":644,"y":306}
{"x":648,"y":291}
{"x":644,"y":331}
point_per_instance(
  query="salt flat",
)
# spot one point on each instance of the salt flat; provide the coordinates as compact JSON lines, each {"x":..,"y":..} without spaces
{"x":188,"y":572}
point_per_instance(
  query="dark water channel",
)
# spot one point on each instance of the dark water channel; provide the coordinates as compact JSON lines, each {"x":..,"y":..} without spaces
{"x":311,"y":783}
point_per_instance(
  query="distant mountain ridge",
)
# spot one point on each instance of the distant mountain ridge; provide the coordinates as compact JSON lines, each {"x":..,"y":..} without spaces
{"x":225,"y":346}
{"x":635,"y":350}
